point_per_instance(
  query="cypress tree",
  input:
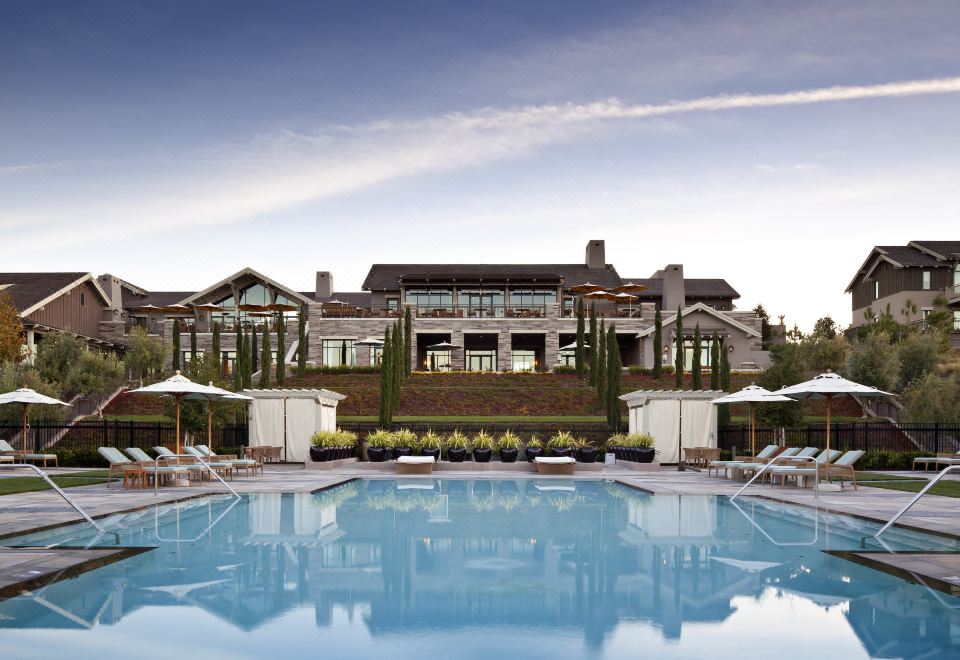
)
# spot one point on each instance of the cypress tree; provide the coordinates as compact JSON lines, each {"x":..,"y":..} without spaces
{"x":215,"y":357}
{"x":715,"y":364}
{"x":265,"y":358}
{"x":657,"y":345}
{"x":248,"y":353}
{"x":176,"y":344}
{"x":407,"y":341}
{"x":386,"y":388}
{"x":281,"y":349}
{"x":695,"y":366}
{"x":723,"y":418}
{"x":398,"y":372}
{"x":255,"y":364}
{"x":581,"y":367}
{"x":302,"y":345}
{"x":193,"y":342}
{"x":238,"y":361}
{"x":602,"y":363}
{"x":594,"y":344}
{"x":680,"y":353}
{"x":614,"y":380}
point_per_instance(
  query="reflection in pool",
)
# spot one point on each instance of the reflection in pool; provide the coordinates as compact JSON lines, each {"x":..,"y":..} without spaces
{"x":472,"y":569}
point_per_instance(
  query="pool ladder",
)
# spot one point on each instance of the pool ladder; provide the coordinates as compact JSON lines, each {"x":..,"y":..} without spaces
{"x":940,"y":475}
{"x":60,"y":492}
{"x":796,"y":459}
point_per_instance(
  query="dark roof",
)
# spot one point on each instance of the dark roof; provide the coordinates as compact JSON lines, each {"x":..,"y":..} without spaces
{"x":354,"y":298}
{"x":943,"y":248}
{"x":156,"y":298}
{"x":388,"y":276}
{"x":693,"y":288}
{"x":30,"y":288}
{"x":907,"y":256}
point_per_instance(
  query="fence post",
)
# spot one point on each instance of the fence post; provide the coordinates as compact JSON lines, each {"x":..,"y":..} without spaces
{"x":936,"y":436}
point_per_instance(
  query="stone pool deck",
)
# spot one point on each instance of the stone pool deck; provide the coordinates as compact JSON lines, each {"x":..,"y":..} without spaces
{"x":30,"y":511}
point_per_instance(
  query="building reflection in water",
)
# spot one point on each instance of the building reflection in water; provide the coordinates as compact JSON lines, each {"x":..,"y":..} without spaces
{"x":453,"y":554}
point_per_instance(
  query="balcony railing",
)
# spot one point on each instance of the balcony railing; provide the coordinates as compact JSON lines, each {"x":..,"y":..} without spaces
{"x":445,"y":312}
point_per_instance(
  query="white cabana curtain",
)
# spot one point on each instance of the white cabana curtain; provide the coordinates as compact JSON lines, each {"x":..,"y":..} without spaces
{"x":303,"y":420}
{"x":304,"y":417}
{"x":661,"y":419}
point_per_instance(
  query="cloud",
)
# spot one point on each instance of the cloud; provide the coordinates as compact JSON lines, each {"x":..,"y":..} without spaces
{"x":271,"y":173}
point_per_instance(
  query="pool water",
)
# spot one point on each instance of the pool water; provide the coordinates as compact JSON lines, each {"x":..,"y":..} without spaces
{"x":452,"y":569}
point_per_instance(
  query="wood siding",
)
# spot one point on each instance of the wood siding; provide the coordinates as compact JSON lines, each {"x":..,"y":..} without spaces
{"x":79,"y":310}
{"x":894,"y":280}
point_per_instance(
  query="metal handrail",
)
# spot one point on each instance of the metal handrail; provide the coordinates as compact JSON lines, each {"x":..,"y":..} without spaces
{"x":940,"y":475}
{"x":156,"y":481}
{"x":816,"y":527}
{"x":57,"y":488}
{"x":816,"y":475}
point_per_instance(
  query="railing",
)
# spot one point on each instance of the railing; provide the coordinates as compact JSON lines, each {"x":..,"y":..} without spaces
{"x":193,"y":459}
{"x":916,"y":497}
{"x":60,"y":492}
{"x":46,"y":436}
{"x":750,"y":519}
{"x":444,"y":311}
{"x":798,"y":459}
{"x":867,"y":436}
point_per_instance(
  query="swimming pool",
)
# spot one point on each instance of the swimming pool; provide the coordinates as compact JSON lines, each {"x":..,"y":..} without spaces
{"x":478,"y":569}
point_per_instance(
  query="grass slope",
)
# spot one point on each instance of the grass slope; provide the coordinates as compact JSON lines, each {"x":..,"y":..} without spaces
{"x":14,"y":485}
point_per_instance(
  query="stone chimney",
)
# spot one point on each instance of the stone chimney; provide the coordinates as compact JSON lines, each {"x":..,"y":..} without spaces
{"x":324,"y":284}
{"x":674,"y":293}
{"x":596,"y":255}
{"x":112,"y":287}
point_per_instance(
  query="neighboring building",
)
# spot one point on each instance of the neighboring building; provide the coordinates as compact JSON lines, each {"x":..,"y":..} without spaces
{"x":496,"y":317}
{"x":898,"y":277}
{"x":66,"y":302}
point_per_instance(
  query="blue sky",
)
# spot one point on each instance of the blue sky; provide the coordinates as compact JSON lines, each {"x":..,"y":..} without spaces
{"x":173,"y":143}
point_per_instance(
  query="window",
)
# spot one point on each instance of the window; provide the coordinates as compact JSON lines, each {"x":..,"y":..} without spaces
{"x":430,"y":298}
{"x":229,"y":360}
{"x":876,"y":290}
{"x":339,"y":353}
{"x":523,"y":360}
{"x":186,"y":356}
{"x":481,"y":360}
{"x":531,"y":298}
{"x":481,"y":302}
{"x":83,"y":299}
{"x":437,"y":360}
{"x":376,"y":356}
{"x":926,"y":280}
{"x":705,"y":356}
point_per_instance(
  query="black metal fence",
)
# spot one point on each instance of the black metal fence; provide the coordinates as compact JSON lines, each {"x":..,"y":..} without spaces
{"x":869,"y":436}
{"x":594,"y":433}
{"x":47,"y":437}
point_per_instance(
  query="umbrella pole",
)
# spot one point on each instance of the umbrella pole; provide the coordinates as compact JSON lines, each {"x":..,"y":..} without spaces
{"x":827,"y":462}
{"x":24,"y":428}
{"x":753,"y":429}
{"x":178,"y":425}
{"x":209,"y":423}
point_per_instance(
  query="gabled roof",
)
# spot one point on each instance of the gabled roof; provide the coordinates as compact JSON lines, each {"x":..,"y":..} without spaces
{"x":287,"y":292}
{"x":155,"y":298}
{"x":693,"y":287}
{"x":31,"y":291}
{"x":354,"y":298}
{"x":916,"y":254}
{"x":388,"y":276}
{"x":701,"y":307}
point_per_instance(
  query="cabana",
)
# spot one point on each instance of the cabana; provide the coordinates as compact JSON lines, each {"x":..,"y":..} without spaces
{"x":675,"y":418}
{"x":289,"y":418}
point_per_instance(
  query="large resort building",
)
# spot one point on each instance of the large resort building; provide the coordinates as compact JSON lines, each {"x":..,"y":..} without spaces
{"x":479,"y":317}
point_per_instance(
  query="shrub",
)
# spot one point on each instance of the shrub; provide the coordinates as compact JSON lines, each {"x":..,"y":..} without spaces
{"x":457,"y":440}
{"x":637,"y":369}
{"x":508,"y":440}
{"x":432,"y":440}
{"x":380,"y":438}
{"x":561,"y":439}
{"x":483,"y":440}
{"x":617,"y":440}
{"x":345,"y":438}
{"x":405,"y":438}
{"x":79,"y":457}
{"x":642,"y":440}
{"x":564,"y":369}
{"x":323,"y":438}
{"x":888,"y":460}
{"x":534,"y":442}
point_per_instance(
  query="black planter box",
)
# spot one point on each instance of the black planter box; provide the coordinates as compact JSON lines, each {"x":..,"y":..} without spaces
{"x":533,"y":452}
{"x":481,"y":455}
{"x":565,"y":452}
{"x":509,"y":455}
{"x":645,"y":454}
{"x":402,"y":451}
{"x":587,"y":455}
{"x":456,"y":454}
{"x":377,"y":454}
{"x":319,"y":454}
{"x":431,"y":452}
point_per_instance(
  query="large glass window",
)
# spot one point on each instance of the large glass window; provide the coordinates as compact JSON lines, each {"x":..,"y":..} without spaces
{"x":376,"y":356}
{"x":704,"y":353}
{"x":481,"y":360}
{"x":523,"y":360}
{"x":876,"y":290}
{"x":481,"y":302}
{"x":926,"y":280}
{"x":429,"y":298}
{"x":438,"y":360}
{"x":339,"y":353}
{"x":532,"y":298}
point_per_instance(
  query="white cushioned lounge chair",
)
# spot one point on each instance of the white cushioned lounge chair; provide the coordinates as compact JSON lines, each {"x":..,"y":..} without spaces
{"x":415,"y":465}
{"x":555,"y":464}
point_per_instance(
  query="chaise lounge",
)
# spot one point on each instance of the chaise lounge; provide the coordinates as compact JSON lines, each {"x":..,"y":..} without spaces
{"x":415,"y":465}
{"x":553,"y":465}
{"x":18,"y":454}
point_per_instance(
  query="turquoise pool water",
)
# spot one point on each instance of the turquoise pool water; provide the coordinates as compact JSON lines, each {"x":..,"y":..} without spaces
{"x":452,"y":569}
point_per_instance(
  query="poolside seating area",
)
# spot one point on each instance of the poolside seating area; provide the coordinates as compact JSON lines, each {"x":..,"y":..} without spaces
{"x":140,"y":470}
{"x":786,"y":463}
{"x":18,"y":455}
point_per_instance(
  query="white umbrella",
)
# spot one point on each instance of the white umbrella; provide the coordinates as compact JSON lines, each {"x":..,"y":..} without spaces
{"x":828,"y":386}
{"x":443,"y":346}
{"x":369,"y":341}
{"x":752,"y":394}
{"x":178,"y":387}
{"x":620,"y":297}
{"x":573,"y":346}
{"x":27,"y":397}
{"x":217,"y":395}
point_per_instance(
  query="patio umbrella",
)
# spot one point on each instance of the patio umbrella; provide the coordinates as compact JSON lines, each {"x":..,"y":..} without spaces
{"x":620,"y":297}
{"x":752,"y":394}
{"x":27,"y":397}
{"x":586,"y":287}
{"x":208,"y":307}
{"x":217,"y":395}
{"x":601,"y":295}
{"x":178,"y":309}
{"x":148,"y":309}
{"x":829,"y":386}
{"x":629,"y":287}
{"x":572,"y":346}
{"x":282,"y":307}
{"x":178,"y":387}
{"x":369,"y":341}
{"x":443,"y":346}
{"x":252,"y":308}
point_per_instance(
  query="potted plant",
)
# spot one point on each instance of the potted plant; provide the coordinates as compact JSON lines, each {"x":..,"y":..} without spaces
{"x":643,"y":443}
{"x":457,"y":446}
{"x":346,"y":444}
{"x":508,"y":446}
{"x":404,"y":441}
{"x":482,"y":447}
{"x":319,"y":446}
{"x":534,"y":448}
{"x":586,"y":453}
{"x":378,"y":445}
{"x":431,"y":444}
{"x":616,"y":444}
{"x":561,"y":443}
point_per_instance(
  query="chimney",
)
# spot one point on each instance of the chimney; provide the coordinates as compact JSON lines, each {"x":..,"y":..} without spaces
{"x":324,"y":284}
{"x":111,"y":286}
{"x":674,"y":293}
{"x":596,"y":255}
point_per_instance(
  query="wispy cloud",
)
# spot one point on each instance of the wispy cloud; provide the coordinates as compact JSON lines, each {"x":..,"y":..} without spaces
{"x":275,"y":172}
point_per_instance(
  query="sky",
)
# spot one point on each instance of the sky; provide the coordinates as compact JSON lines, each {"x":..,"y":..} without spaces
{"x":769,"y":143}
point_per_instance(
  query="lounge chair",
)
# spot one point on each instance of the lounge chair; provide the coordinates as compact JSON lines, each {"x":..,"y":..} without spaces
{"x":21,"y":455}
{"x":245,"y":464}
{"x":798,"y":469}
{"x":118,"y":462}
{"x":139,"y":455}
{"x":939,"y":459}
{"x":415,"y":465}
{"x":763,"y":456}
{"x":555,"y":464}
{"x":185,"y":464}
{"x":224,"y":467}
{"x":753,"y":466}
